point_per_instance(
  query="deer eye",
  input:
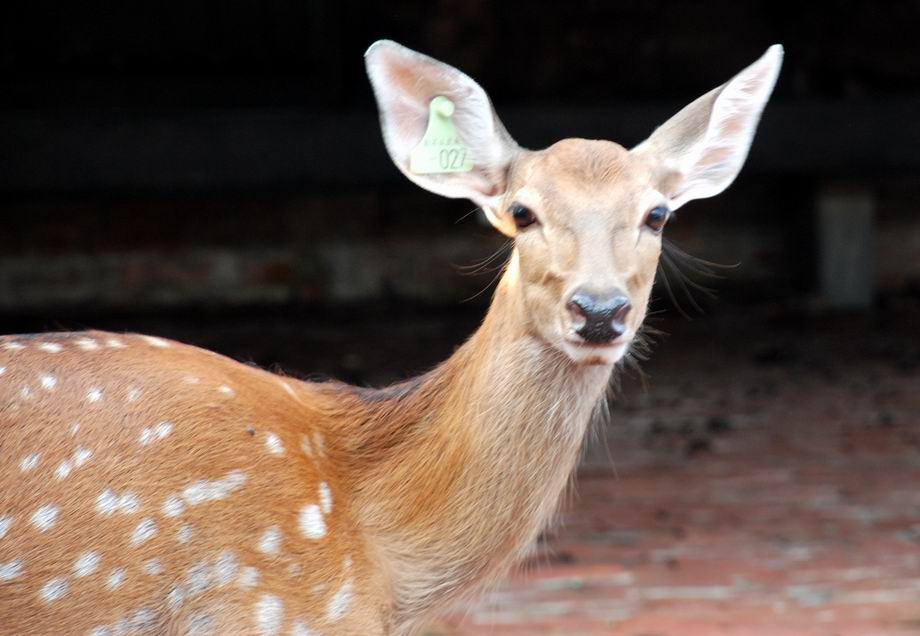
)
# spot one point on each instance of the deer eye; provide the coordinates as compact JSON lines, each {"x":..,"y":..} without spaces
{"x":656,"y":218}
{"x":523,"y":216}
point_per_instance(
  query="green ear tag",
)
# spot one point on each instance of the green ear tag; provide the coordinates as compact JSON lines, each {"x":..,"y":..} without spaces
{"x":441,"y":149}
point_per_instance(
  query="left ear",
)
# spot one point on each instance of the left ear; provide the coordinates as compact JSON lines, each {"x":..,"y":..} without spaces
{"x":700,"y":150}
{"x":405,"y":82}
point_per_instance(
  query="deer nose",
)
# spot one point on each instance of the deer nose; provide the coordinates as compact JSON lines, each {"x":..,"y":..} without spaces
{"x":598,"y":318}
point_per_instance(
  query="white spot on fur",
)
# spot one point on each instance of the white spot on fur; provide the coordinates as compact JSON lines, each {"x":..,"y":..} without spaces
{"x":325,"y":498}
{"x":269,"y":614}
{"x":184,"y":534}
{"x":270,"y":542}
{"x":54,"y":589}
{"x":116,"y":578}
{"x":50,"y":347}
{"x":2,"y":370}
{"x":94,"y":395}
{"x":173,"y":506}
{"x":48,"y":382}
{"x":226,"y":390}
{"x":203,"y":575}
{"x":45,"y":517}
{"x":74,"y":428}
{"x":291,"y":392}
{"x":175,"y":598}
{"x":199,"y":624}
{"x":340,"y":602}
{"x":81,"y":456}
{"x":133,"y":394}
{"x":273,"y":444}
{"x":225,"y":568}
{"x":319,"y":444}
{"x":312,"y":524}
{"x":142,"y":620}
{"x":249,"y":577}
{"x":63,"y":469}
{"x":156,"y":342}
{"x":87,"y":344}
{"x":108,"y":503}
{"x":128,"y":503}
{"x":154,"y":433}
{"x":144,"y":531}
{"x":11,"y":570}
{"x":153,"y":567}
{"x":29,"y":462}
{"x":300,"y":629}
{"x":198,"y":578}
{"x":305,"y":446}
{"x":86,"y":564}
{"x":13,"y":346}
{"x":5,"y":524}
{"x":191,"y":379}
{"x":115,"y":343}
{"x":203,"y":491}
{"x":25,"y":393}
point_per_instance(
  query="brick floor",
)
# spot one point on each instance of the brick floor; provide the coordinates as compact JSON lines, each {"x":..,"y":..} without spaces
{"x":767,"y":483}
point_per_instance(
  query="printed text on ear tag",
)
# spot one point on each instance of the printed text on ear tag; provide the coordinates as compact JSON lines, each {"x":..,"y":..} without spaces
{"x":441,"y":149}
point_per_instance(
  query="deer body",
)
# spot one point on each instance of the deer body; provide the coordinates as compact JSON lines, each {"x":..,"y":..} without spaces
{"x":213,"y":497}
{"x":152,"y":487}
{"x":158,"y":488}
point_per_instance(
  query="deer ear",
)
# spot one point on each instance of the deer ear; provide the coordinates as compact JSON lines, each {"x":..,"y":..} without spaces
{"x":700,"y":150}
{"x":405,"y":83}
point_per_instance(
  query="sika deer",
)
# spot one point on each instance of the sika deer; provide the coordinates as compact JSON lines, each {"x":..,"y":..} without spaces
{"x":152,"y":487}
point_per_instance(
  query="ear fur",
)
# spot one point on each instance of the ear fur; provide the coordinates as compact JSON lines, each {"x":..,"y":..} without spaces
{"x":699,"y":152}
{"x":404,"y":83}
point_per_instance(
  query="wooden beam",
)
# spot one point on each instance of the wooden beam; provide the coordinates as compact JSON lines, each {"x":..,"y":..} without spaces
{"x":846,"y":246}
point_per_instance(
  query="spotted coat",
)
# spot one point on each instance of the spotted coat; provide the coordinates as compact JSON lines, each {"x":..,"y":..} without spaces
{"x":150,"y":487}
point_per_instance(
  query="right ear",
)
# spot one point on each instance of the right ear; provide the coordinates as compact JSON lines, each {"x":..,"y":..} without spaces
{"x":404,"y":83}
{"x":700,"y":150}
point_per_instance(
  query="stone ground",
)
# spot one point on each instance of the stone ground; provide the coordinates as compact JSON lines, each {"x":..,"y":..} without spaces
{"x":765,"y":483}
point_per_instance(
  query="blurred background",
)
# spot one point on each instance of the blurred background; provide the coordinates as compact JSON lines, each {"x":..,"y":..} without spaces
{"x":214,"y":172}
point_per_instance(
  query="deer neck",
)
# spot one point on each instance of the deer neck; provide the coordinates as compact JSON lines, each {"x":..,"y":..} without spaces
{"x":472,"y":459}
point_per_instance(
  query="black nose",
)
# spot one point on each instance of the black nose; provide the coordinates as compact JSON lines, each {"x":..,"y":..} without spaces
{"x":599,"y":318}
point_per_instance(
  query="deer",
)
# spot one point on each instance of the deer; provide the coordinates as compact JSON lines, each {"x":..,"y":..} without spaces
{"x":152,"y":487}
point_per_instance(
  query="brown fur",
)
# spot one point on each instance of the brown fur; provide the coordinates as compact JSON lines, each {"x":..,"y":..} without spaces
{"x":213,"y":434}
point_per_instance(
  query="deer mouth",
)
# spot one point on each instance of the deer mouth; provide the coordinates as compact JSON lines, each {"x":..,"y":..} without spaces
{"x":587,"y":353}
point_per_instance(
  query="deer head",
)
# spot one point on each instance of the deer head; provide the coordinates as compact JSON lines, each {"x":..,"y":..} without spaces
{"x":586,"y":216}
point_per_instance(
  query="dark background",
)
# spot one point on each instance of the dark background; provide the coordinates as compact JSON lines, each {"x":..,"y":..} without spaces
{"x":213,"y":171}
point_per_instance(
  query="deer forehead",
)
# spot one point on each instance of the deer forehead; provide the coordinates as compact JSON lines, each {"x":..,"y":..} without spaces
{"x":581,"y":179}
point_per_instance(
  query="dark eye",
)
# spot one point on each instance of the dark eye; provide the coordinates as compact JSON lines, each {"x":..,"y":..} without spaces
{"x":522,"y":215}
{"x":656,"y":218}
